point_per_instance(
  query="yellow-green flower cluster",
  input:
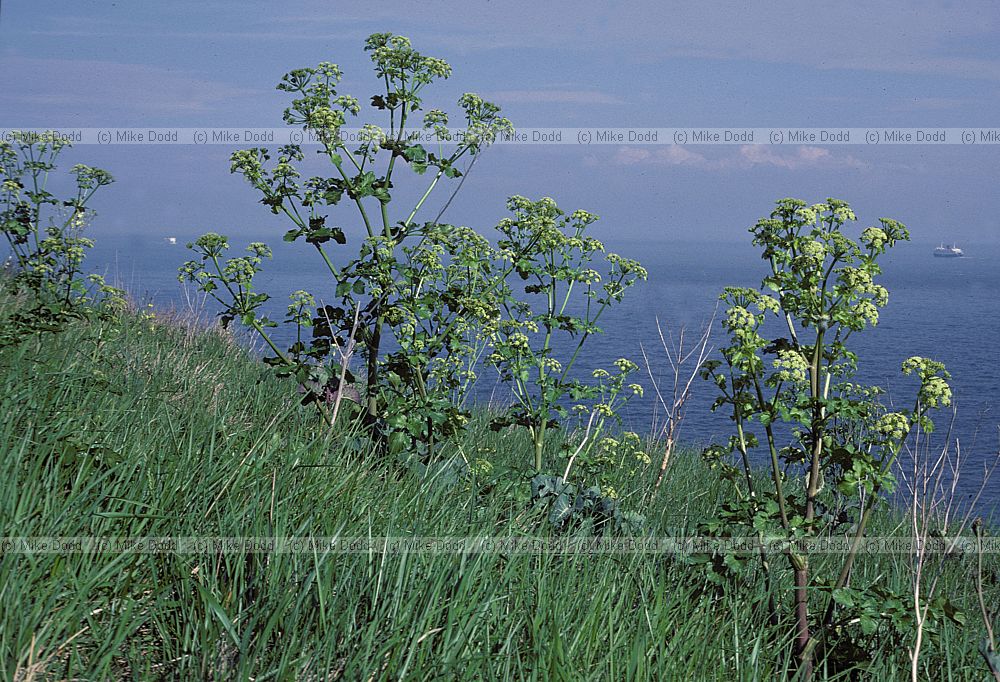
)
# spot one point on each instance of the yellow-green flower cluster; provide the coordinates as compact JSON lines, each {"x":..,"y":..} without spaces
{"x":259,"y":250}
{"x":381,"y":247}
{"x":249,"y":162}
{"x":212,"y":243}
{"x":609,"y":444}
{"x":923,"y":367}
{"x":329,"y":70}
{"x":632,"y":442}
{"x":791,"y":366}
{"x":437,"y":67}
{"x":435,"y":117}
{"x":521,"y":204}
{"x":437,"y":120}
{"x":860,"y":281}
{"x":88,"y":177}
{"x":79,"y":220}
{"x":808,"y":214}
{"x":894,"y":425}
{"x":481,"y":467}
{"x":812,"y":250}
{"x":325,"y":118}
{"x":146,"y":314}
{"x":843,"y":213}
{"x":240,"y":271}
{"x":934,"y":389}
{"x":874,"y":237}
{"x":371,"y":133}
{"x":301,"y":307}
{"x":627,"y":266}
{"x":626,"y":366}
{"x":475,"y":307}
{"x":604,"y":410}
{"x":866,"y":310}
{"x":519,"y":342}
{"x":935,"y":392}
{"x":584,"y":217}
{"x":430,"y":257}
{"x":551,"y":364}
{"x":740,"y":319}
{"x":348,"y":103}
{"x":284,"y":169}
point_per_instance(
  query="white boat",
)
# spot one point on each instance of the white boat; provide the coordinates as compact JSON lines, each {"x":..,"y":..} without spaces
{"x":170,"y":240}
{"x":948,"y":252}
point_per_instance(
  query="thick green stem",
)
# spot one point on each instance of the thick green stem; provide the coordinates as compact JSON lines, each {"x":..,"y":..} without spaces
{"x":384,"y":205}
{"x":371,"y":382}
{"x":804,"y":643}
{"x":744,"y":454}
{"x":579,"y":345}
{"x":543,"y":416}
{"x":859,"y":532}
{"x":539,"y":436}
{"x":423,"y":198}
{"x":773,"y":450}
{"x":812,"y":489}
{"x":455,"y":157}
{"x":329,"y":265}
{"x":339,"y":165}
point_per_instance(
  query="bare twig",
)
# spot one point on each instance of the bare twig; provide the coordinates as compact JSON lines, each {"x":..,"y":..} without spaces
{"x":346,"y":354}
{"x":682,"y":375}
{"x":989,"y":646}
{"x":579,"y":449}
{"x":932,"y":483}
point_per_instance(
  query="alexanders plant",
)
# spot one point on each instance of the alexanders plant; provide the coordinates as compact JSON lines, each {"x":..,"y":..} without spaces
{"x":539,"y":339}
{"x":45,"y":234}
{"x":787,"y":379}
{"x":418,"y":292}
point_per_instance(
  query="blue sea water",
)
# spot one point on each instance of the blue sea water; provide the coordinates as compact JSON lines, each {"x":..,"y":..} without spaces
{"x":946,"y":309}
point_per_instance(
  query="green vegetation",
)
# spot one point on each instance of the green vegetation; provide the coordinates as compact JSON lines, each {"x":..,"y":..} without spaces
{"x":45,"y":236}
{"x":554,"y":254}
{"x":442,"y":294}
{"x":843,"y":442}
{"x":129,"y":424}
{"x":433,"y":289}
{"x":144,"y":426}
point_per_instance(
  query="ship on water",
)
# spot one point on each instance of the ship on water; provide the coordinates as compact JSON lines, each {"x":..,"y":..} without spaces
{"x":948,"y":252}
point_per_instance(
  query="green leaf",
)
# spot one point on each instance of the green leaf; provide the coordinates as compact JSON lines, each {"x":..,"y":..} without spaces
{"x":215,"y":608}
{"x":868,"y":624}
{"x":844,"y":597}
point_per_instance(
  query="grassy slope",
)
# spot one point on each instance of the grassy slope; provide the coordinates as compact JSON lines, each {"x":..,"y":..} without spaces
{"x":129,"y":430}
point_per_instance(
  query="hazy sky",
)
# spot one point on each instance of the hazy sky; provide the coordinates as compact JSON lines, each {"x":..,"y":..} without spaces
{"x":849,"y":64}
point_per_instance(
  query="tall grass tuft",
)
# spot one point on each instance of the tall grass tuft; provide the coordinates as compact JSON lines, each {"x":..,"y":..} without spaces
{"x":141,"y":427}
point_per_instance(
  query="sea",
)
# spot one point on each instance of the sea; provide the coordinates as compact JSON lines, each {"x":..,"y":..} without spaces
{"x":947,"y":309}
